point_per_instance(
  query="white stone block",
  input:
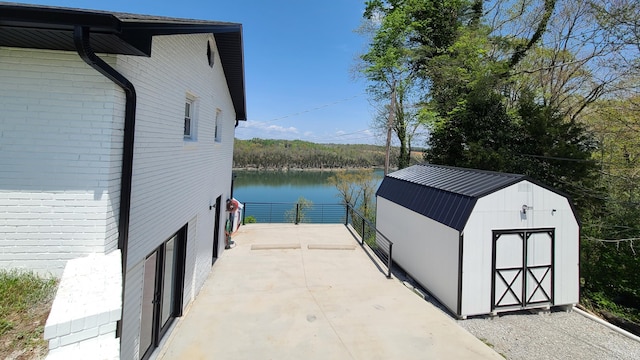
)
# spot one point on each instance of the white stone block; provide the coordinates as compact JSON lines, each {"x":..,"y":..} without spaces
{"x":88,"y":296}
{"x":54,"y":343}
{"x":108,"y":328}
{"x":91,"y":321}
{"x":50,"y":329}
{"x":77,"y":324}
{"x":102,"y":318}
{"x":63,"y":328}
{"x":79,"y":336}
{"x":115,"y":314}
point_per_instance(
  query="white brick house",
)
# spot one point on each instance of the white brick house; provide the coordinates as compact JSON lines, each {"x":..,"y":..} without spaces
{"x":129,"y":150}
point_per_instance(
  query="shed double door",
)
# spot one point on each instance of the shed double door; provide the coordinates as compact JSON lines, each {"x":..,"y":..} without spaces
{"x":522,"y":268}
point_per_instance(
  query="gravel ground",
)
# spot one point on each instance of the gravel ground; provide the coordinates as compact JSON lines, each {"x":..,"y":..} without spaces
{"x":541,"y":335}
{"x":555,"y":335}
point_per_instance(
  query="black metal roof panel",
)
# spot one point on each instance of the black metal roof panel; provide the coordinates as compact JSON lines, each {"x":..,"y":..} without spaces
{"x":47,"y":27}
{"x":468,"y":182}
{"x":444,"y":207}
{"x":444,"y":194}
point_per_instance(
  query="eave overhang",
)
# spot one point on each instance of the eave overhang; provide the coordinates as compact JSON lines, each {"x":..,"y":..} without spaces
{"x":51,"y":28}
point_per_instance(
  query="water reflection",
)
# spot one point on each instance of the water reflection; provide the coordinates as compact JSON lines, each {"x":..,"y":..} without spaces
{"x":283,"y":186}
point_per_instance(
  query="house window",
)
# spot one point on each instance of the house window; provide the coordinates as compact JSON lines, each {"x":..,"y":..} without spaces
{"x":218,"y":126}
{"x":190,"y":118}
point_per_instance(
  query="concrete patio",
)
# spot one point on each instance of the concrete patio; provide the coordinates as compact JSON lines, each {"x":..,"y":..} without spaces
{"x":311,"y":292}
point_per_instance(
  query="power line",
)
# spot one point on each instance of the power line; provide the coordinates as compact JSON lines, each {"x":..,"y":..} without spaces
{"x":557,"y":158}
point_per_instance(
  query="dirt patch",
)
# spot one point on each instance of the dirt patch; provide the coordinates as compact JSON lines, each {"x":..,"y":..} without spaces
{"x":25,"y":303}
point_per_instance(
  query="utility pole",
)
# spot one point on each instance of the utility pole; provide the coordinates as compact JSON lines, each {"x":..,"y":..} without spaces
{"x":391,"y":119}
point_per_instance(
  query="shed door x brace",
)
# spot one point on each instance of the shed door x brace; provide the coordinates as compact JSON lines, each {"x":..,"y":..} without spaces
{"x":522,"y":274}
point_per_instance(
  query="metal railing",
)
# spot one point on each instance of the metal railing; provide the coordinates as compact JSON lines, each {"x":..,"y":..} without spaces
{"x":296,"y":213}
{"x":379,"y":244}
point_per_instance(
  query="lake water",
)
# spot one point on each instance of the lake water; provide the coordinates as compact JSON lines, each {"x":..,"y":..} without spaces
{"x":283,"y":186}
{"x":286,"y":187}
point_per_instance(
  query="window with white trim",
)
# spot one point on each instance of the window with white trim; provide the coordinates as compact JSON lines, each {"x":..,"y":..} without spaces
{"x":190,"y":118}
{"x":218,"y":126}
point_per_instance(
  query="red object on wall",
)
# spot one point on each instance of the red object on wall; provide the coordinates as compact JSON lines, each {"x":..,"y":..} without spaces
{"x":232,"y":205}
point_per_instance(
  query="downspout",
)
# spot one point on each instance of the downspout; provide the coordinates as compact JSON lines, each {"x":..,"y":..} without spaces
{"x":81,"y":38}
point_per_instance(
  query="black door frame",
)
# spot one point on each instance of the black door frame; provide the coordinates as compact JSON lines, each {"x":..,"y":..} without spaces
{"x":216,"y":230}
{"x":524,"y":271}
{"x":158,"y":330}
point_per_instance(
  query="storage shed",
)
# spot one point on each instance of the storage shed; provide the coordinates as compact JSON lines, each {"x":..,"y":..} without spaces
{"x":481,"y":242}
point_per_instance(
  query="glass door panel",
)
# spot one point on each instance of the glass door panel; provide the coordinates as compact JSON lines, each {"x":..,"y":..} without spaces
{"x":148,"y":295}
{"x":168,"y":281}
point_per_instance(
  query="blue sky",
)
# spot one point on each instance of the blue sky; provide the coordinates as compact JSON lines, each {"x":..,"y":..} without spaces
{"x":298,"y":60}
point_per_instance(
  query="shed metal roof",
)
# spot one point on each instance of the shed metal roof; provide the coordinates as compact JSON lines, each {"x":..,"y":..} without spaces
{"x":46,"y":27}
{"x":442,"y":193}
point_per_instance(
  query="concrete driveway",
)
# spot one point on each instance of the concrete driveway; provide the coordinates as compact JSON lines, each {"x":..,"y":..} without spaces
{"x":310,"y":292}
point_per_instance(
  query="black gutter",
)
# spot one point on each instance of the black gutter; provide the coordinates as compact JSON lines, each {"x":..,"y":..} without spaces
{"x":81,"y":39}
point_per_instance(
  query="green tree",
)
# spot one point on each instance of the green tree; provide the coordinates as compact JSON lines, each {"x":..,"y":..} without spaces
{"x":394,"y":86}
{"x":298,"y":214}
{"x":610,"y":258}
{"x":528,"y":87}
{"x":481,"y":135}
{"x":357,"y":188}
{"x":534,"y":141}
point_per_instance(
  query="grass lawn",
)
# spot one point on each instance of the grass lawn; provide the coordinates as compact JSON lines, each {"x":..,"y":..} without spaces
{"x":25,"y":302}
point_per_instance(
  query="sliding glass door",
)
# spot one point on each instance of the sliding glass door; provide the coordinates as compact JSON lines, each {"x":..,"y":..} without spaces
{"x":162,"y":289}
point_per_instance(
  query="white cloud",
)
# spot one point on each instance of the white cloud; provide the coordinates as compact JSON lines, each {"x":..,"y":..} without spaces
{"x":271,"y":129}
{"x":254,"y":129}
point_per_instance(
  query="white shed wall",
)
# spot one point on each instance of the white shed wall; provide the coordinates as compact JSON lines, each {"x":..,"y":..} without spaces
{"x":502,"y":210}
{"x":175,"y":180}
{"x":60,"y":155}
{"x":426,"y":249}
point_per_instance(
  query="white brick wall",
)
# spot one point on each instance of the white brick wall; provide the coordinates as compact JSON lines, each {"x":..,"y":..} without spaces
{"x":82,"y":327}
{"x":174,"y":180}
{"x":60,"y":157}
{"x":60,"y":138}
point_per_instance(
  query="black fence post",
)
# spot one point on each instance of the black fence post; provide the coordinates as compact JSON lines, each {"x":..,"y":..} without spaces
{"x":363,"y":229}
{"x":390,"y":261}
{"x":297,"y":219}
{"x":346,"y":214}
{"x":244,"y":212}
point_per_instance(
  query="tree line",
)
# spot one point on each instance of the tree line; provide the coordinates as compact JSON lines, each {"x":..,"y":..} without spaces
{"x":298,"y":154}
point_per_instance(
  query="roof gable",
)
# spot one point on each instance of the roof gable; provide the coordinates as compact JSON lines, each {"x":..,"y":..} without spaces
{"x":444,"y":194}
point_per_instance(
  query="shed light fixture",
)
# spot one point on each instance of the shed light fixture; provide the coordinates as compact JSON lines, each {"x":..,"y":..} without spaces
{"x":525,"y":208}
